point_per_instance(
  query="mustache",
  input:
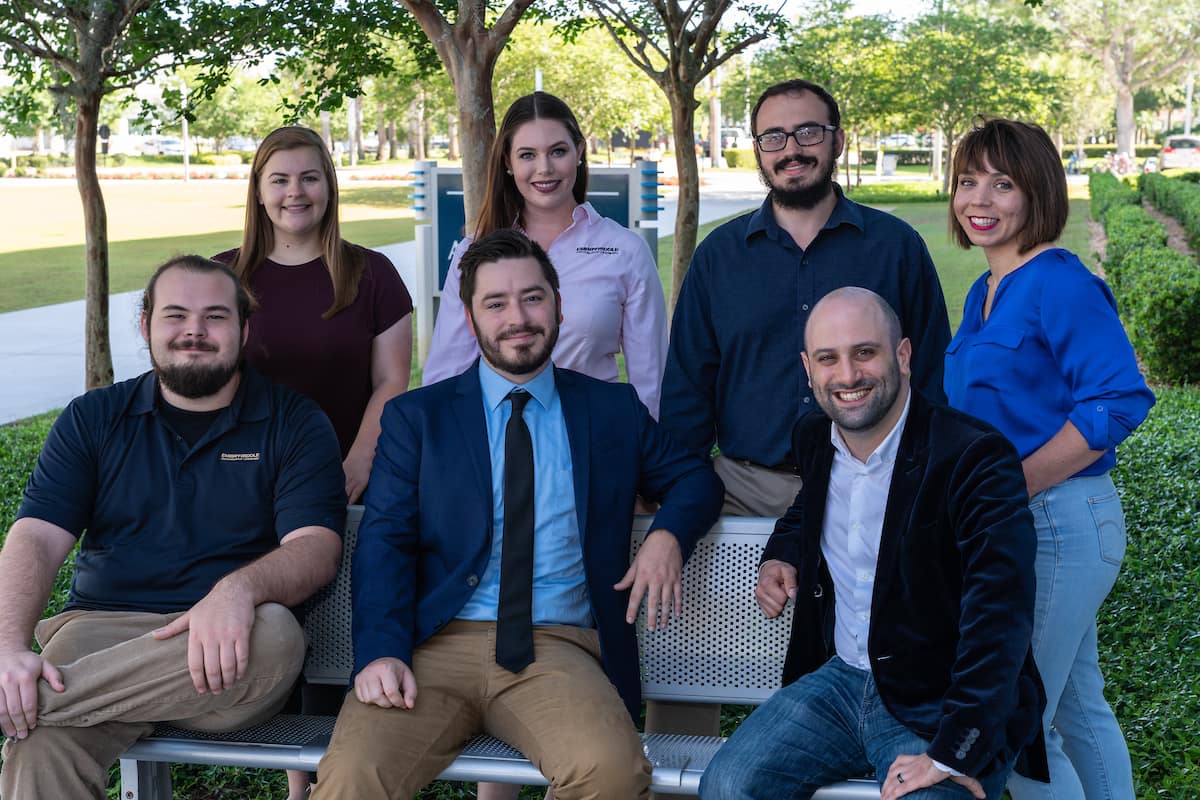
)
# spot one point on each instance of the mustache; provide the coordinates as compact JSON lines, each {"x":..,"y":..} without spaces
{"x":802,"y":160}
{"x":520,"y":331}
{"x":193,"y":344}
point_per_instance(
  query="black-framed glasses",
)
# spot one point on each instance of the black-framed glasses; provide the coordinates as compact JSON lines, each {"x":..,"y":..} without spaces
{"x":805,"y":136}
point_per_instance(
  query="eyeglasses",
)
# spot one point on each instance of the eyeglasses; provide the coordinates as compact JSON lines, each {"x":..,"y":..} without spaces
{"x":805,"y":136}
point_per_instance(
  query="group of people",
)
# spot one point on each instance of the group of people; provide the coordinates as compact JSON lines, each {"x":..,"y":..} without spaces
{"x":946,"y":526}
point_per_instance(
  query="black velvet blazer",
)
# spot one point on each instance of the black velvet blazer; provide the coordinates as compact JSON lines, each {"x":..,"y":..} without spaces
{"x":952,"y":607}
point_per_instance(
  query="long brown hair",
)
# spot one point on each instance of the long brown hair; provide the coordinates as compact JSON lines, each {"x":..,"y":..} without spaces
{"x":502,"y":203}
{"x":345,"y":261}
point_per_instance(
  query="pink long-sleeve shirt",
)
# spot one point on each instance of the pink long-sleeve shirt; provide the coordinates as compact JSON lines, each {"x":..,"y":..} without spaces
{"x":612,"y":302}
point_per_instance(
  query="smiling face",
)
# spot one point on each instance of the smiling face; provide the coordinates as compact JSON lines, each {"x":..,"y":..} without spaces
{"x":990,"y":207}
{"x":857,"y":367}
{"x":543,"y":161}
{"x":193,"y":332}
{"x":514,"y":315}
{"x":799,"y":177}
{"x":294,"y":192}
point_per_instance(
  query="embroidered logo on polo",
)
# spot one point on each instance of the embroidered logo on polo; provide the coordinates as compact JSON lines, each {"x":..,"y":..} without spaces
{"x":240,"y":456}
{"x":588,"y":250}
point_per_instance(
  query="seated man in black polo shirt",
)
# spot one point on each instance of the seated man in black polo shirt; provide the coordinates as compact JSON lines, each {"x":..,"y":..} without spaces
{"x":211,"y":501}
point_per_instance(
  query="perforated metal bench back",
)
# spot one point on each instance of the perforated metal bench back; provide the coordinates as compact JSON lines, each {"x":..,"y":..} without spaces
{"x":721,"y":650}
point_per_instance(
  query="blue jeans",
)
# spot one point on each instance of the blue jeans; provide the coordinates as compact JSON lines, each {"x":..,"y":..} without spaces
{"x":828,"y":726}
{"x":1081,"y":542}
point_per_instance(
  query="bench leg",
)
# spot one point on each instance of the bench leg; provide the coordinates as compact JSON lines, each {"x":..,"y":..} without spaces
{"x":145,"y":780}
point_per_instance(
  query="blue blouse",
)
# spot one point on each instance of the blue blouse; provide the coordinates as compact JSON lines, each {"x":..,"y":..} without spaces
{"x":1052,"y":349}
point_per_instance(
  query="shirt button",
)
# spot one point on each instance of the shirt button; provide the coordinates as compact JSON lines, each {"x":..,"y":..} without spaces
{"x":807,"y":400}
{"x":1099,"y":408}
{"x":804,"y":307}
{"x":473,"y":580}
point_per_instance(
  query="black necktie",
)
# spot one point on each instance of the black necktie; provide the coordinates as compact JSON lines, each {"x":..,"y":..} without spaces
{"x":514,"y":617}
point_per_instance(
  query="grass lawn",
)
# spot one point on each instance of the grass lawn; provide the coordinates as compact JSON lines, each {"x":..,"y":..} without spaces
{"x":42,"y":254}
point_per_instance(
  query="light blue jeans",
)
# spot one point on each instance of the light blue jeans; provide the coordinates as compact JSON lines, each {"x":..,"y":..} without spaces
{"x":1081,"y":542}
{"x":828,"y":726}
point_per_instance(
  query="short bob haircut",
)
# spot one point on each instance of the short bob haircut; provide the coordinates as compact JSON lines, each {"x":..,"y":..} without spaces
{"x":499,"y":245}
{"x":345,"y":261}
{"x":201,"y":265}
{"x":1023,"y":152}
{"x":502,"y":202}
{"x":797,"y":86}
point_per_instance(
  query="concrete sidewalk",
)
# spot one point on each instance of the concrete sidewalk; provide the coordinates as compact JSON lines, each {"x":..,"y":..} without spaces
{"x":41,"y":349}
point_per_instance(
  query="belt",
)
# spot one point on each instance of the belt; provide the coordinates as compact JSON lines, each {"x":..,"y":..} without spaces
{"x":789,"y":467}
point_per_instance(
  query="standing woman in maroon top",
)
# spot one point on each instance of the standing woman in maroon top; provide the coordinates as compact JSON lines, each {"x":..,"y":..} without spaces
{"x":334,"y":320}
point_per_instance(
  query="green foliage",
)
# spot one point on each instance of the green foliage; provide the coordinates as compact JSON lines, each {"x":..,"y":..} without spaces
{"x":1149,"y":638}
{"x":740,"y":158}
{"x":887,"y":193}
{"x":1101,"y":150}
{"x":1179,"y":198}
{"x":1157,"y":288}
{"x":1107,"y":190}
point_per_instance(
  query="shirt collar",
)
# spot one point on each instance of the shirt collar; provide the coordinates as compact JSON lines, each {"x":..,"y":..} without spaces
{"x":845,"y":212}
{"x":583,"y":213}
{"x":496,"y":387}
{"x":250,"y":402}
{"x":886,"y":452}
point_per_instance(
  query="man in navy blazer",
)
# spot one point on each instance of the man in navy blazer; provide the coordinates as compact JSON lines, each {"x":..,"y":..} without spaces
{"x":432,"y":571}
{"x":909,"y":556}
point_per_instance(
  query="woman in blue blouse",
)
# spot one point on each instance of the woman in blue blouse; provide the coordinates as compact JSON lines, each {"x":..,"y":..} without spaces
{"x":1042,"y":356}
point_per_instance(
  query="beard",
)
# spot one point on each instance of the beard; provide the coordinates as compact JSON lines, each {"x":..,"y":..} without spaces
{"x":527,"y":358}
{"x":195,"y":381}
{"x":884,"y":392}
{"x":804,"y":197}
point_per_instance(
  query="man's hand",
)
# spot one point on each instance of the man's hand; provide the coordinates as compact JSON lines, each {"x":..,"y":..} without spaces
{"x":387,"y":683}
{"x":218,"y":629}
{"x":657,"y":573}
{"x":19,"y":674}
{"x":776,"y":584}
{"x":909,"y":773}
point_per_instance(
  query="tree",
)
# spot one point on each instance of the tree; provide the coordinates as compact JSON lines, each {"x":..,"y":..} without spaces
{"x":84,"y":50}
{"x":678,"y":46}
{"x":468,"y":49}
{"x":958,"y":66}
{"x":1139,"y":43}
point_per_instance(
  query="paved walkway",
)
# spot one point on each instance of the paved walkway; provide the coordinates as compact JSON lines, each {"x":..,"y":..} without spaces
{"x":41,"y":349}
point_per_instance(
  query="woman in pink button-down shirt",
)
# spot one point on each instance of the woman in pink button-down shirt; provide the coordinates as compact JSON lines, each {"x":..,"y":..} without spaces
{"x":612,"y":296}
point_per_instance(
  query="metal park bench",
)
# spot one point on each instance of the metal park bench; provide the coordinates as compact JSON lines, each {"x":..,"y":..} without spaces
{"x":721,"y":651}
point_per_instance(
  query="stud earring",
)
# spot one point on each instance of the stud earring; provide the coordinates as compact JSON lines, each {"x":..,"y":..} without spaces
{"x":508,"y":171}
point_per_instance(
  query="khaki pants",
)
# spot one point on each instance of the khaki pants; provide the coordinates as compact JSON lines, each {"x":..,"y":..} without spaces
{"x":561,"y":712}
{"x":750,"y":491}
{"x":120,"y":681}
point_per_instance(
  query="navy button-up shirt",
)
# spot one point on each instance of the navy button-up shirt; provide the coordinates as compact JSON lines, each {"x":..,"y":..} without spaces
{"x":734,"y":374}
{"x":165,"y":521}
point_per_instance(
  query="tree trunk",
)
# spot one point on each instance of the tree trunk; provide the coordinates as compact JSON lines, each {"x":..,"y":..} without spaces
{"x":477,"y":126}
{"x":687,"y":216}
{"x":381,"y":134}
{"x":1124,"y":119}
{"x":454,"y":151}
{"x":416,"y":136}
{"x":391,"y":137}
{"x":325,"y":131}
{"x":948,"y":162}
{"x":98,"y":368}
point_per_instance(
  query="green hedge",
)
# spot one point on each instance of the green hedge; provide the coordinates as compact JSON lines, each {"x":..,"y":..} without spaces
{"x":739,"y":158}
{"x":1157,"y":288}
{"x":1179,"y":198}
{"x":1101,"y":150}
{"x":1107,"y":190}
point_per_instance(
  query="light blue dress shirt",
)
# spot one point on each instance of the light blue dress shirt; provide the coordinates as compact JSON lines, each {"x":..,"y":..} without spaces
{"x":559,"y":585}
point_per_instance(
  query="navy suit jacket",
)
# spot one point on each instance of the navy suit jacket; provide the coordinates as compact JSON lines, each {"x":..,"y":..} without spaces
{"x":426,"y":533}
{"x":952,"y":605}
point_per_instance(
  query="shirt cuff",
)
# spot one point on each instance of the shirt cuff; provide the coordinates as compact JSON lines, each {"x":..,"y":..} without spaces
{"x":942,"y":767}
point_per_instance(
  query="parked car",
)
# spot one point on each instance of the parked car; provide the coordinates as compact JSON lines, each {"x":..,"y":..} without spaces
{"x":163,"y":146}
{"x":1180,"y":151}
{"x":735,"y":139}
{"x":900,"y":140}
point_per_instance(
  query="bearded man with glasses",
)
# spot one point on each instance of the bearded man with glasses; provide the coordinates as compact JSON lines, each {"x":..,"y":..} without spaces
{"x":734,"y":377}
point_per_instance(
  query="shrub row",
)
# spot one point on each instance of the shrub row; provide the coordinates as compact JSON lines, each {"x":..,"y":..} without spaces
{"x":1179,"y":198}
{"x":1107,"y":190}
{"x":1101,"y":150}
{"x":1157,"y":288}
